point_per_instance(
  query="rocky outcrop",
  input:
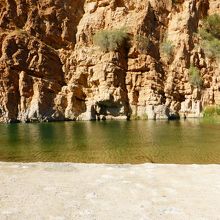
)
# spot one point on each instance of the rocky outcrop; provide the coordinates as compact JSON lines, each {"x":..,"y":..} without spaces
{"x":50,"y":68}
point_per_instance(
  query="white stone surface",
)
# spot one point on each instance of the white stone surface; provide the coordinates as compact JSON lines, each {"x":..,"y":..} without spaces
{"x":107,"y":192}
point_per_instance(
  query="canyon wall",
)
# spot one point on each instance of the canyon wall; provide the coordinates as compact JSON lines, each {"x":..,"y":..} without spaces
{"x":51,"y":70}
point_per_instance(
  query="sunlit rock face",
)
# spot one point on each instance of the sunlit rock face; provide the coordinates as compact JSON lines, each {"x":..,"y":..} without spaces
{"x":50,"y":68}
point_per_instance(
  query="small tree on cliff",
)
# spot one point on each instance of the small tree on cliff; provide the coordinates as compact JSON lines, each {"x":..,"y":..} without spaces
{"x":194,"y":77}
{"x":110,"y":40}
{"x":210,"y":34}
{"x":212,"y":25}
{"x":141,"y":42}
{"x":167,"y":47}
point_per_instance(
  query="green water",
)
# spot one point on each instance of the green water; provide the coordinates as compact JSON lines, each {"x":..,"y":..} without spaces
{"x":190,"y":141}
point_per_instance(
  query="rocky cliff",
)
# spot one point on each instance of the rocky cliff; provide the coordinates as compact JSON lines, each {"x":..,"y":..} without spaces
{"x":50,"y":68}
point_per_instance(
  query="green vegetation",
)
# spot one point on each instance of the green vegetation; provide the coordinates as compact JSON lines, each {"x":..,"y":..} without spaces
{"x":167,"y":47}
{"x":135,"y":117}
{"x":142,"y":117}
{"x":210,"y":44}
{"x":210,"y":34}
{"x":212,"y":25}
{"x":211,"y":111}
{"x":110,"y":40}
{"x":142,"y":43}
{"x":194,"y":77}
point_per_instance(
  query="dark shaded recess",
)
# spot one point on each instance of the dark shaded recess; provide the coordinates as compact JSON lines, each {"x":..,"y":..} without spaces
{"x":181,"y":98}
{"x":12,"y":95}
{"x":187,"y":56}
{"x":203,"y":9}
{"x":193,"y":22}
{"x":173,"y":117}
{"x":49,"y":56}
{"x":77,"y":16}
{"x":69,"y":16}
{"x":151,"y":27}
{"x":112,"y":108}
{"x":21,"y":20}
{"x":10,"y":14}
{"x":119,"y":3}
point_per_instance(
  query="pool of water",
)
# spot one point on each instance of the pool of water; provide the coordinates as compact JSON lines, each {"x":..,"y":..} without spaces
{"x":182,"y":142}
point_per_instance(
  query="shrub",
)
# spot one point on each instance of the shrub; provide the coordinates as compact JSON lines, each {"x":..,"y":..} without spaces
{"x":210,"y":34}
{"x":194,"y":77}
{"x":205,"y":35}
{"x":142,"y":43}
{"x":110,"y":40}
{"x":144,"y":116}
{"x":211,"y":111}
{"x":211,"y":48}
{"x":212,"y":25}
{"x":135,"y":117}
{"x":167,"y":47}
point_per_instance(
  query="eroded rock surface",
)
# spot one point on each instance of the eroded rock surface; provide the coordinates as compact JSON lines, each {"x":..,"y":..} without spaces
{"x":51,"y":70}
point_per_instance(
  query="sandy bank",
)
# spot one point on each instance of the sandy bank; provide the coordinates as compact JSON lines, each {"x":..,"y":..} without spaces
{"x":102,"y":192}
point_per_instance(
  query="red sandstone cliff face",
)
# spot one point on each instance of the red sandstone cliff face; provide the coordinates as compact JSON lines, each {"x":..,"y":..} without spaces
{"x":51,"y":70}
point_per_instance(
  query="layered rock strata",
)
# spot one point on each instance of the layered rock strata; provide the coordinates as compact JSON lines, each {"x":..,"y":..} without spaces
{"x":50,"y":68}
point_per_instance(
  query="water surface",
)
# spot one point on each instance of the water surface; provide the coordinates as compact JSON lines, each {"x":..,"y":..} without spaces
{"x":190,"y":141}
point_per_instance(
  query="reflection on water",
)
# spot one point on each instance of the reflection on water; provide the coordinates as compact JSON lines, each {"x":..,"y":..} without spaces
{"x":190,"y":141}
